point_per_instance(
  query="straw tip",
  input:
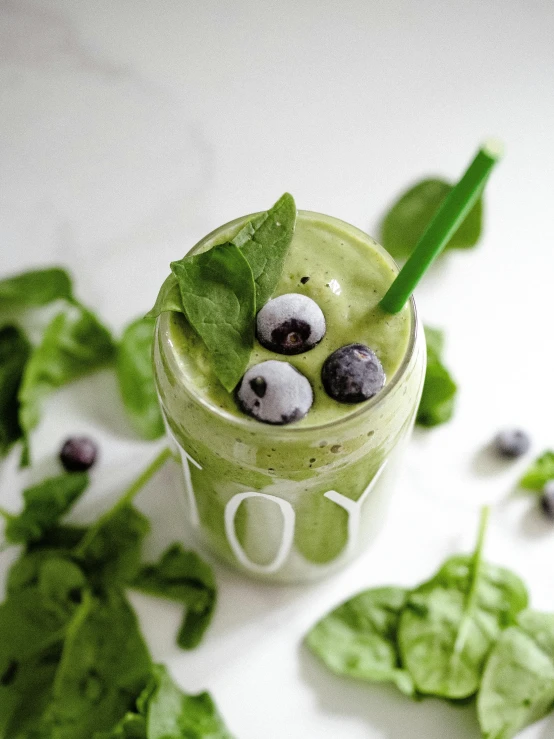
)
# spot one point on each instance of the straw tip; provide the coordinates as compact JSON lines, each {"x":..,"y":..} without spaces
{"x":493,"y":148}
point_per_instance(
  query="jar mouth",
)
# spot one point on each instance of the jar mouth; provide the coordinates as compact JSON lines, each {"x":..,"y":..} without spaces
{"x":289,"y":431}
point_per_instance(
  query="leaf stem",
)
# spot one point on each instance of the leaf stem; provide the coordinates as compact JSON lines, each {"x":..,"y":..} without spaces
{"x":125,"y":499}
{"x":474,"y":573}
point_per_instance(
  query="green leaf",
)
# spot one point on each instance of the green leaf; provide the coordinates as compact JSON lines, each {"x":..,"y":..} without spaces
{"x":110,"y":551}
{"x":35,"y":288}
{"x":264,"y":241}
{"x":135,"y":375}
{"x":358,"y":639}
{"x":169,"y":298}
{"x":73,"y":344}
{"x":518,"y":682}
{"x":218,"y":294}
{"x":171,"y":714}
{"x":45,"y":504}
{"x":451,"y":622}
{"x":184,"y":577}
{"x":14,"y":353}
{"x":104,"y":666}
{"x":408,"y":218}
{"x":539,"y":473}
{"x":131,"y":726}
{"x":439,"y":389}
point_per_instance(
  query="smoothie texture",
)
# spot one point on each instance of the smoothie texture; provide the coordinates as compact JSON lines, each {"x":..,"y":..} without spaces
{"x":293,"y":503}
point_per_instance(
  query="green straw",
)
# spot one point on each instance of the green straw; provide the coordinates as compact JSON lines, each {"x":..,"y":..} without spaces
{"x":455,"y":207}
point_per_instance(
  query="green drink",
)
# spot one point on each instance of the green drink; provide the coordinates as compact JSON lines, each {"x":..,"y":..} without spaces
{"x":295,"y":502}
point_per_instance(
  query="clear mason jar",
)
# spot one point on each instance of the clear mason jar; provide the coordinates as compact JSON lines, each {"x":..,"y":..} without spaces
{"x":288,"y":503}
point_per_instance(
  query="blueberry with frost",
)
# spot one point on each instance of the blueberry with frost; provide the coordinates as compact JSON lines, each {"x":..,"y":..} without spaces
{"x":275,"y":392}
{"x":352,"y":374}
{"x":290,"y":324}
{"x":512,"y":443}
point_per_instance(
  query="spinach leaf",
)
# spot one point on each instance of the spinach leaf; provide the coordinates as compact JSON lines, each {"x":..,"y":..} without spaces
{"x":358,"y":639}
{"x":110,"y":551}
{"x":45,"y":504}
{"x":439,"y":389}
{"x":169,"y":298}
{"x":450,"y":623}
{"x":518,"y":682}
{"x":264,"y":241}
{"x":73,"y":344}
{"x":539,"y":473}
{"x":408,"y":218}
{"x":35,"y":288}
{"x":131,"y":726}
{"x":171,"y":714}
{"x":14,"y":353}
{"x":218,"y":294}
{"x":135,"y":375}
{"x":104,"y":666}
{"x":184,"y":577}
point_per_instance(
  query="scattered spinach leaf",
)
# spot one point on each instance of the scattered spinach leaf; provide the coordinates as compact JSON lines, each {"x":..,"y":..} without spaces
{"x":45,"y":504}
{"x":518,"y":682}
{"x":73,"y":344}
{"x":358,"y":639}
{"x":104,"y":665}
{"x":539,"y":473}
{"x":450,"y":623}
{"x":110,"y":551}
{"x":35,"y":288}
{"x":184,"y":577}
{"x":14,"y":353}
{"x":135,"y":376}
{"x":171,"y":714}
{"x":439,"y":389}
{"x":218,"y":294}
{"x":410,"y":215}
{"x":264,"y":241}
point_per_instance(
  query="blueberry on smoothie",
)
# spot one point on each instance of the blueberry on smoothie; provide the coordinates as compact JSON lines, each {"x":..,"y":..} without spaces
{"x":512,"y":443}
{"x":352,"y":374}
{"x":275,"y":392}
{"x":547,"y":500}
{"x":78,"y":454}
{"x":290,"y":324}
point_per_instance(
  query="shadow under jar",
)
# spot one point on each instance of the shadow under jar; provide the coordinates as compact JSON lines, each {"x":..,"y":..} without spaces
{"x":295,"y":503}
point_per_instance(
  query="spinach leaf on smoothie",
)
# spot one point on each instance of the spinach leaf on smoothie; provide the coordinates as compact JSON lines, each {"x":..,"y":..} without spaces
{"x":410,"y":215}
{"x":539,"y":473}
{"x":35,"y":288}
{"x":264,"y":241}
{"x":219,"y":297}
{"x":518,"y":682}
{"x":439,"y":389}
{"x":135,"y":375}
{"x":358,"y":639}
{"x":14,"y":352}
{"x":73,"y":344}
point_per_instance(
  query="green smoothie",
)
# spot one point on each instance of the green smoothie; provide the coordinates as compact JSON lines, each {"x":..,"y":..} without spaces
{"x":295,"y":502}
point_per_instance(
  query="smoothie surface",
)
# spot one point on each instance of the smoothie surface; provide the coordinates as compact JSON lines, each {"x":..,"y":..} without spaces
{"x":348,"y":275}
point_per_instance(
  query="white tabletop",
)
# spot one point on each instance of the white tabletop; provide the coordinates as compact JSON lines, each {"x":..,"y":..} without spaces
{"x":130,"y":129}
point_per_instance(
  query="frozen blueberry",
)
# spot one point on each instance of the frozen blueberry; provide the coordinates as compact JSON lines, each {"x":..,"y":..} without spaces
{"x":290,"y":324}
{"x":512,"y":443}
{"x":352,"y":374}
{"x":275,"y":392}
{"x":547,"y":500}
{"x":78,"y":454}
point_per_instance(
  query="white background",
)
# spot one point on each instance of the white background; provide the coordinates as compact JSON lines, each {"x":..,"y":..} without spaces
{"x":130,"y":129}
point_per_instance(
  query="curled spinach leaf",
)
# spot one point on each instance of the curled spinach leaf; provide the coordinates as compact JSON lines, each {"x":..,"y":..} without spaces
{"x":14,"y":353}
